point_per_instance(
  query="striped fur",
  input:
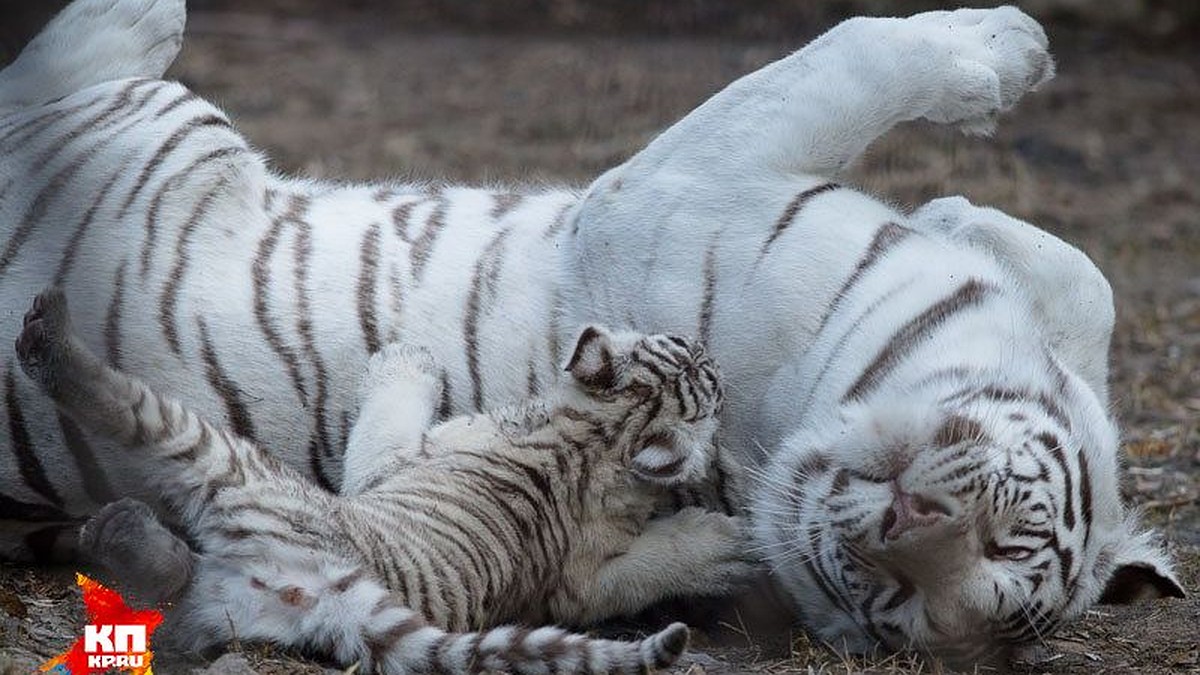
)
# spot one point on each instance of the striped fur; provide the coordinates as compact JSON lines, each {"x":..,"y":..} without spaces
{"x":533,"y":513}
{"x":834,"y":316}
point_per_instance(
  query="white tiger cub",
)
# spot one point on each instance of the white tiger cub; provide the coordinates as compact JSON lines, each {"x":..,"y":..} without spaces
{"x":855,"y":340}
{"x":534,"y":513}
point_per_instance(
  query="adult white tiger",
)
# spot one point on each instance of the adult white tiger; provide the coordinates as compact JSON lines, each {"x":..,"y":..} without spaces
{"x":929,"y":389}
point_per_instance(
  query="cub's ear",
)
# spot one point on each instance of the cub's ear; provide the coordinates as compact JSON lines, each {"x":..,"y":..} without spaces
{"x":1142,"y":572}
{"x":593,"y":362}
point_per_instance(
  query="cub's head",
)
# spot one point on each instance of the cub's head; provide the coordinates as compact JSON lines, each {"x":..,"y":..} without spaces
{"x":656,"y":396}
{"x":956,"y":524}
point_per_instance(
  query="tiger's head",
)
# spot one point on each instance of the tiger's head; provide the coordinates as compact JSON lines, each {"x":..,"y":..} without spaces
{"x":659,"y":396}
{"x":958,"y":524}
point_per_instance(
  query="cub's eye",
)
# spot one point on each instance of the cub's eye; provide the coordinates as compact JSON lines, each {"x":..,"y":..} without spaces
{"x":995,"y":551}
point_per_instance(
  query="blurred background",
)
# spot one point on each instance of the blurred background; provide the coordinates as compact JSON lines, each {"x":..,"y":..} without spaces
{"x":1106,"y":156}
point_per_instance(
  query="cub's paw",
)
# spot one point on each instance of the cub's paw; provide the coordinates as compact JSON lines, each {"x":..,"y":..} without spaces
{"x":44,"y":344}
{"x":717,"y":550}
{"x":992,"y":58}
{"x":402,"y":362}
{"x":127,"y":538}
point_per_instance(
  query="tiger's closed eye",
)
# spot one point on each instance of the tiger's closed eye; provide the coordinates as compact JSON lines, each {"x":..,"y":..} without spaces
{"x":995,"y":551}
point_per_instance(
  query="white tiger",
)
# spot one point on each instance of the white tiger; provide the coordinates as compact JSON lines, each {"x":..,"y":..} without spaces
{"x":939,"y":468}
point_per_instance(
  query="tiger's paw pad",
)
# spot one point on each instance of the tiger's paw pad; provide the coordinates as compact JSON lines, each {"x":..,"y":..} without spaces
{"x":994,"y":57}
{"x":44,"y":334}
{"x":127,"y":538}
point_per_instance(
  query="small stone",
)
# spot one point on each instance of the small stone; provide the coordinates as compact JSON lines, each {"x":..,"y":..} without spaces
{"x":228,"y":664}
{"x":12,"y":605}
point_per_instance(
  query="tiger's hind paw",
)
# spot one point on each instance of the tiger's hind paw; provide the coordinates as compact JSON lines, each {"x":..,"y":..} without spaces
{"x":150,"y":562}
{"x":94,"y":41}
{"x":44,"y":342}
{"x":992,"y":58}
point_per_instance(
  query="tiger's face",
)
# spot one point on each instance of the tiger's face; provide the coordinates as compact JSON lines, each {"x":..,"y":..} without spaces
{"x":958,"y":527}
{"x":664,"y":393}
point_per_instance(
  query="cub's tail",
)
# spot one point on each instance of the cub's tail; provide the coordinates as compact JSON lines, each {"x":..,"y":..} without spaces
{"x":320,"y":602}
{"x":90,"y":42}
{"x":510,"y":649}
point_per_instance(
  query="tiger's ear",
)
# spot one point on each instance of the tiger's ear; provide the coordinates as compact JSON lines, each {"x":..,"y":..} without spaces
{"x":593,"y":362}
{"x":1142,"y":572}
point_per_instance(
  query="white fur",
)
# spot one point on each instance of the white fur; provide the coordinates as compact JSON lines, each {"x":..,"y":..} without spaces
{"x":90,"y":42}
{"x":700,"y":204}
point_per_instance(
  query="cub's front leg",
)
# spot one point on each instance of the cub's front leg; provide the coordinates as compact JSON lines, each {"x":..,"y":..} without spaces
{"x":398,"y":399}
{"x":691,"y":553}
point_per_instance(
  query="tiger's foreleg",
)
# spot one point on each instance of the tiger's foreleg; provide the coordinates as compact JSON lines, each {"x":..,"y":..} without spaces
{"x":94,"y":41}
{"x":398,"y":400}
{"x":817,"y":110}
{"x":1071,"y":299}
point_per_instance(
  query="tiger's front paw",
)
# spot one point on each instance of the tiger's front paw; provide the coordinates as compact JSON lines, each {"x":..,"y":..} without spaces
{"x":44,"y":344}
{"x":989,"y":59}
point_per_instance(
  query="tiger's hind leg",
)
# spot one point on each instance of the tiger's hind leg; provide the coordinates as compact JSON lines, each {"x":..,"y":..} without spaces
{"x":398,"y":400}
{"x":147,"y":560}
{"x":817,"y":110}
{"x":94,"y":41}
{"x":190,"y":462}
{"x":319,"y":602}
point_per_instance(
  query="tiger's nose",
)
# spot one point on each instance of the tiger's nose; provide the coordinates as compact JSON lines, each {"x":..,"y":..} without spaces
{"x":909,"y":512}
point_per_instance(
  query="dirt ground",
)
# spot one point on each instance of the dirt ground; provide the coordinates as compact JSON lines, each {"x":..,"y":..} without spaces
{"x":1106,"y":156}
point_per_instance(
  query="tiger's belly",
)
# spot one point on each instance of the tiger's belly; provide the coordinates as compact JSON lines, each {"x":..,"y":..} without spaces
{"x":256,"y":300}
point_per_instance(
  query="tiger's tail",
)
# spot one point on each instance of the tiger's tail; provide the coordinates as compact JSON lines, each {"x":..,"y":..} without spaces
{"x":90,"y":42}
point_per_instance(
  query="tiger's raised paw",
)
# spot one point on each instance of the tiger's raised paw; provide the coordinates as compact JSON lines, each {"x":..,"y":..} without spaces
{"x":992,"y":58}
{"x":133,"y":37}
{"x":150,"y":562}
{"x":94,"y":41}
